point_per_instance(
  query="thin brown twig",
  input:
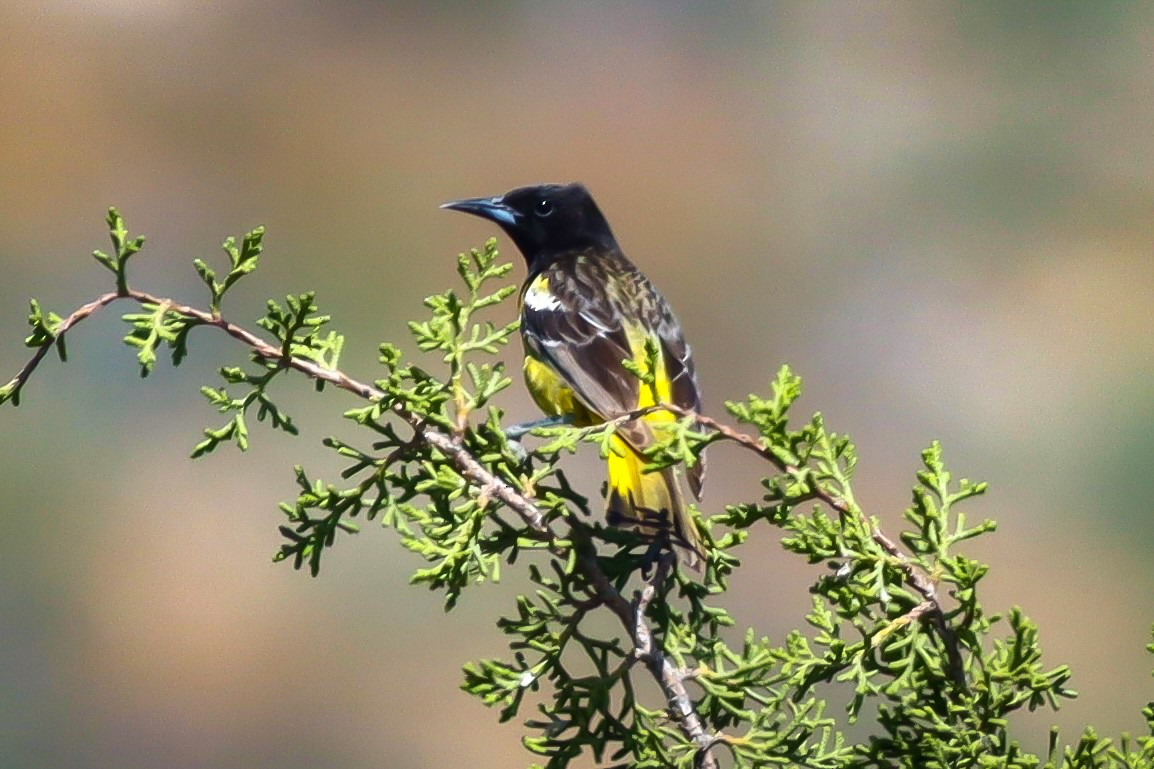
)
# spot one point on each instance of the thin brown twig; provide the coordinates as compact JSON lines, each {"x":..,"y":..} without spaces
{"x":647,"y":651}
{"x":668,"y":676}
{"x":80,"y":313}
{"x":642,"y":638}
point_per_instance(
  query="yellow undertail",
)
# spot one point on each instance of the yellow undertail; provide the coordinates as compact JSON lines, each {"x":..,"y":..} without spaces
{"x":651,"y":503}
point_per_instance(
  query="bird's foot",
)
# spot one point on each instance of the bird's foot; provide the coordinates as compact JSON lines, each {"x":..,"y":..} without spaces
{"x":514,"y":433}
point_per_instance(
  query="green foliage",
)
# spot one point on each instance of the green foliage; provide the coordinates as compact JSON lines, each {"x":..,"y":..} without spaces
{"x":297,"y":329}
{"x":123,"y":248}
{"x":157,"y":325}
{"x":452,"y":333}
{"x":45,"y":326}
{"x":896,"y":639}
{"x":415,"y":487}
{"x":241,"y":262}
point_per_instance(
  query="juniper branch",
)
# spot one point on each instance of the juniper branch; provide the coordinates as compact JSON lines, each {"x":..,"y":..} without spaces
{"x":916,"y":577}
{"x":924,"y":706}
{"x":631,"y":615}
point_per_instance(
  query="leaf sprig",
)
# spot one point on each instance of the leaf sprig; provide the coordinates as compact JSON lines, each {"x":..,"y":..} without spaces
{"x":242,"y":261}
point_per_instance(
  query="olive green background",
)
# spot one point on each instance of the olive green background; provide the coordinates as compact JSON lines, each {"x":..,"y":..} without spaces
{"x":941,"y":215}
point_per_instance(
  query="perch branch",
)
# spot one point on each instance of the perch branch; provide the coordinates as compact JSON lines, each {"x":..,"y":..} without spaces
{"x":668,"y":677}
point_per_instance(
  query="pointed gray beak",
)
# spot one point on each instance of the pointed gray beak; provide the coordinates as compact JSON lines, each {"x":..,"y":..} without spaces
{"x":493,"y":209}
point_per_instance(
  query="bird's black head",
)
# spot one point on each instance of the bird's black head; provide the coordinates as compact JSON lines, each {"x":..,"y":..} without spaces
{"x":545,"y":221}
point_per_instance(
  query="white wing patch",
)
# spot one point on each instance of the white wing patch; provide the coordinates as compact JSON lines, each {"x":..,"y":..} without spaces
{"x":538,"y":298}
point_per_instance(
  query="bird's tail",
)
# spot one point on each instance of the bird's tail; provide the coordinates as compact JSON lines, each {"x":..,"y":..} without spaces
{"x":651,"y":503}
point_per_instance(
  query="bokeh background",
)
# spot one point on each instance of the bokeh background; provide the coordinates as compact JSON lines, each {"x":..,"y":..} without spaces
{"x":941,"y":215}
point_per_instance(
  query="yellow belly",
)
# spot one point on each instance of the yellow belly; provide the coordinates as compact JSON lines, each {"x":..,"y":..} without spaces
{"x":553,"y":396}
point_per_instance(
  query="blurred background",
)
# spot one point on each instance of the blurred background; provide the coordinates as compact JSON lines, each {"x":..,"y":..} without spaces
{"x":940,"y":214}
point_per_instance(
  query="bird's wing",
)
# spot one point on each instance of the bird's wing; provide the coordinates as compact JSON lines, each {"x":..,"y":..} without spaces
{"x":584,"y":320}
{"x":682,"y":376}
{"x":584,"y":342}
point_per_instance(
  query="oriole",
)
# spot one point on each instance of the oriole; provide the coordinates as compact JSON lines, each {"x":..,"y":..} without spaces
{"x":585,"y":308}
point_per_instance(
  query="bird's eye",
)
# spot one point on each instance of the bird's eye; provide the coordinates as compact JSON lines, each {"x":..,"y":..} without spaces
{"x":543,"y":207}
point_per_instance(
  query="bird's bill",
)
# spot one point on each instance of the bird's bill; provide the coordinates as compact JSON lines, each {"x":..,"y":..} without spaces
{"x":493,"y":209}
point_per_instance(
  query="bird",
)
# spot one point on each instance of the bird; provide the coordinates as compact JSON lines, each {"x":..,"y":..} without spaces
{"x":585,"y":309}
